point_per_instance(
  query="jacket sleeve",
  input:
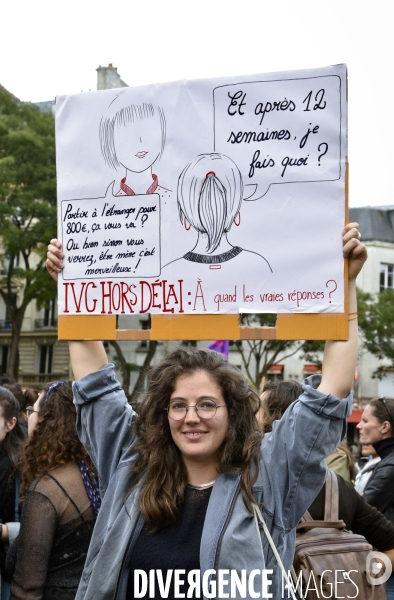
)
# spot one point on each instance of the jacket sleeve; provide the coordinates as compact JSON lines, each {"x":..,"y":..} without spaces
{"x":379,"y":490}
{"x":370,"y":523}
{"x":104,"y":421}
{"x":33,"y":550}
{"x":292,"y":455}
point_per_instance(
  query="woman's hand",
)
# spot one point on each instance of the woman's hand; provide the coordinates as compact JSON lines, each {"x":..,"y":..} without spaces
{"x":54,"y":258}
{"x":354,"y":250}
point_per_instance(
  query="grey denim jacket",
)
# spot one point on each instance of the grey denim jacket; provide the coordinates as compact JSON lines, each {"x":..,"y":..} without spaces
{"x":291,"y":472}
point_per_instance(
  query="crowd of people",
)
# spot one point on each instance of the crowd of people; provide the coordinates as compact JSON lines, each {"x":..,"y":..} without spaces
{"x":106,"y":493}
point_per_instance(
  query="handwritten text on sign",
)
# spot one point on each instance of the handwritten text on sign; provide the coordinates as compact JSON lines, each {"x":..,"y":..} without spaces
{"x":111,"y":237}
{"x":278,"y":133}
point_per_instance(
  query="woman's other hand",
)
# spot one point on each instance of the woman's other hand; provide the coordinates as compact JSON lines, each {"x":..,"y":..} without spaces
{"x":54,"y":262}
{"x":354,"y":250}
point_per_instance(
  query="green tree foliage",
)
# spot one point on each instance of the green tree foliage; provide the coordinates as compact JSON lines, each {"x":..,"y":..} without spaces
{"x":376,"y":321}
{"x":27,"y":210}
{"x":258,"y":356}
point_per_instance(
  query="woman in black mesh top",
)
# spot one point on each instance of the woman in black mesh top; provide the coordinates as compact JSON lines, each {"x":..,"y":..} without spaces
{"x":59,"y":502}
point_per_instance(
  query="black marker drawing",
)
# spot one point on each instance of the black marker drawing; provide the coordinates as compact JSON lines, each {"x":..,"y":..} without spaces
{"x":210,"y":193}
{"x":132,"y":139}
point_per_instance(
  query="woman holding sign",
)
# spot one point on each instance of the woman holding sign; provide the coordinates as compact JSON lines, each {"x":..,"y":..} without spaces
{"x":182,"y":482}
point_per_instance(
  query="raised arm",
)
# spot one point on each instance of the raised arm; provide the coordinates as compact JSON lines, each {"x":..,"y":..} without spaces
{"x":340,"y":357}
{"x":104,"y":416}
{"x":87,"y":356}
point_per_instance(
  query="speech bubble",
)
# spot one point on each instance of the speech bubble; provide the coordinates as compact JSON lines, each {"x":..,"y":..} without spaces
{"x":282,"y":131}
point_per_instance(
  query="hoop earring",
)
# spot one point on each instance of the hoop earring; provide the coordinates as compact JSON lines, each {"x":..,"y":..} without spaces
{"x":239,"y":219}
{"x":184,"y":223}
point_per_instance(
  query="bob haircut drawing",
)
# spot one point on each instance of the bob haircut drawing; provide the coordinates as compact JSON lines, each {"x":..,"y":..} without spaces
{"x":122,"y":113}
{"x":210,"y":192}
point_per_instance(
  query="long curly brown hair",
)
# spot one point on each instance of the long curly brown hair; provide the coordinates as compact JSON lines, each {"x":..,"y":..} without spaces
{"x":54,"y":441}
{"x":159,"y":470}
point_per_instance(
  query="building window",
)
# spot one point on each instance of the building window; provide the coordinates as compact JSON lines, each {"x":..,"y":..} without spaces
{"x":275,"y":373}
{"x":47,"y":316}
{"x":311,"y":370}
{"x":144,"y":325}
{"x":386,"y":277}
{"x":4,"y":359}
{"x":45,"y":359}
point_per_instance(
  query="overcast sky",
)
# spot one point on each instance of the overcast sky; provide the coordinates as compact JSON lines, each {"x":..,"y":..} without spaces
{"x":49,"y":48}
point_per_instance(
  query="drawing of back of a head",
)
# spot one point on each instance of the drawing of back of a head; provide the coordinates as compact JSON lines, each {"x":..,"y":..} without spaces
{"x":122,"y":113}
{"x":210,"y":192}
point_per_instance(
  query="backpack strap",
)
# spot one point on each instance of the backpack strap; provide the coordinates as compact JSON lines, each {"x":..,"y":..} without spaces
{"x":306,"y":517}
{"x":303,"y":525}
{"x":331,"y":504}
{"x":259,"y":517}
{"x":332,"y":498}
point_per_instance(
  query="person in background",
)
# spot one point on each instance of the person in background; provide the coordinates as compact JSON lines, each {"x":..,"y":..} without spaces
{"x":359,"y":516}
{"x":60,"y":502}
{"x":5,"y":379}
{"x":32,"y":392}
{"x":24,"y":398}
{"x":365,"y":473}
{"x":377,"y":428}
{"x":341,"y":461}
{"x":276,"y":399}
{"x":12,"y":440}
{"x":355,"y":451}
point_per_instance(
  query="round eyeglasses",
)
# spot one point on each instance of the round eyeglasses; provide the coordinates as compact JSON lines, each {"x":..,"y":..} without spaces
{"x":205,"y":409}
{"x":30,"y":410}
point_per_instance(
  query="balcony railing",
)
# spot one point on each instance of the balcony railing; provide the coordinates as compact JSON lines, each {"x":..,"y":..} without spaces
{"x":34,"y":378}
{"x":45,"y":323}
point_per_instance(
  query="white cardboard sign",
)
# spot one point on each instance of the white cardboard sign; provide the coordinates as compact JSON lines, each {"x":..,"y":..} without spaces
{"x":210,"y":196}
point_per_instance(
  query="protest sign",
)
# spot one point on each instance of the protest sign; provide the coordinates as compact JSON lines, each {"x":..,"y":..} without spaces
{"x":204,"y":197}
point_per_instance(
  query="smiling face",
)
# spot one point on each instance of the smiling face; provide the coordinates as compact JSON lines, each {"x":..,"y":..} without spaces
{"x":199,"y":439}
{"x":138,"y":144}
{"x":371,"y":431}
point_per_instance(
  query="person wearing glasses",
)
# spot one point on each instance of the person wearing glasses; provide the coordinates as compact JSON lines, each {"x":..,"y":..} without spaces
{"x":59,"y":502}
{"x":179,"y":480}
{"x":377,"y":428}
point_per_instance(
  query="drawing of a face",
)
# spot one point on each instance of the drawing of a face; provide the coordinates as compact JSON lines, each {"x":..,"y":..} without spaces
{"x":138,"y":144}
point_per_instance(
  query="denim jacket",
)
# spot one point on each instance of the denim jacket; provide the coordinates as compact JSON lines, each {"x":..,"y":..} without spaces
{"x":291,"y":472}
